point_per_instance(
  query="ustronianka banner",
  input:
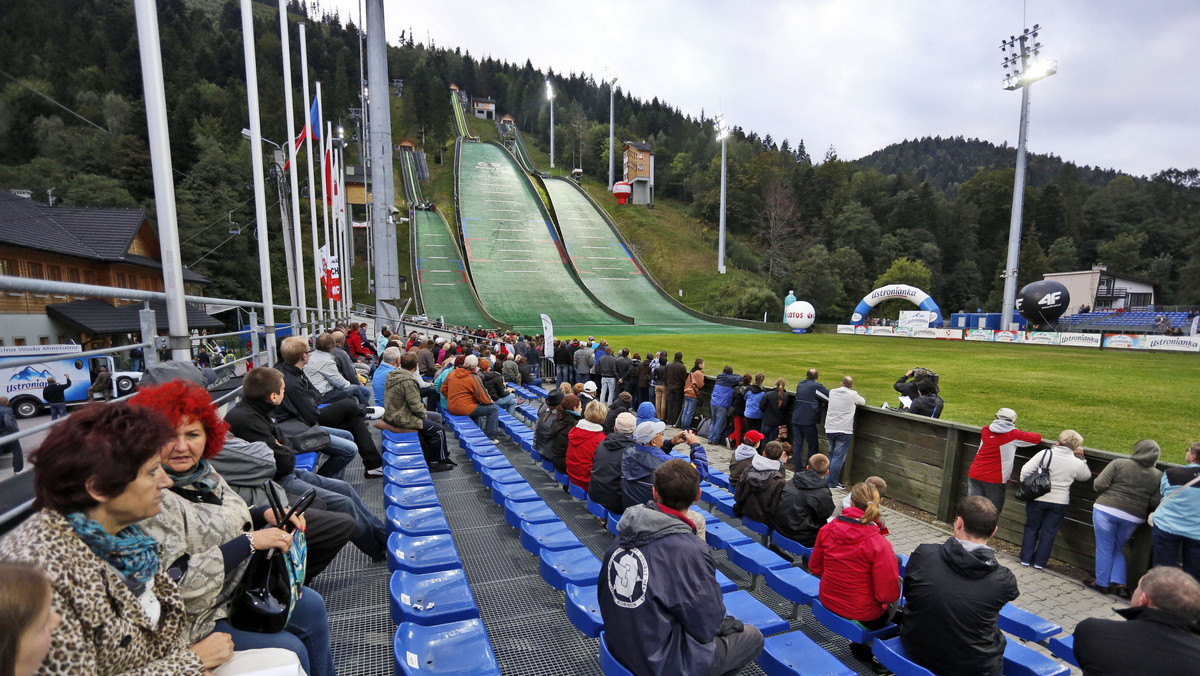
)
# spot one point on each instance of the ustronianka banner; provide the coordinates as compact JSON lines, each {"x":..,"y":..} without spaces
{"x":1042,"y":338}
{"x":1124,"y":341}
{"x":1079,"y":339}
{"x":1173,"y":343}
{"x":984,"y":335}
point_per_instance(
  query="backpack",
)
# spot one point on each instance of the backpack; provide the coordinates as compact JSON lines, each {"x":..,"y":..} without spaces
{"x":1036,"y":484}
{"x":704,"y":427}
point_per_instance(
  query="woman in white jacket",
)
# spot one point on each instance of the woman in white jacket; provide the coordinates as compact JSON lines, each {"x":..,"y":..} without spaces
{"x":1044,"y":515}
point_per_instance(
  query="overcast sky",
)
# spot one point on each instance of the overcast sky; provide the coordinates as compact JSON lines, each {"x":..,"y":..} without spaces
{"x":859,"y":74}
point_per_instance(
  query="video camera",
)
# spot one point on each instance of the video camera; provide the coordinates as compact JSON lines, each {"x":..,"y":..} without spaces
{"x":919,"y":372}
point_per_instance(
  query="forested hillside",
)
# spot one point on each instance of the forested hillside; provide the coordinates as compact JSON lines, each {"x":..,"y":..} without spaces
{"x":932,"y":212}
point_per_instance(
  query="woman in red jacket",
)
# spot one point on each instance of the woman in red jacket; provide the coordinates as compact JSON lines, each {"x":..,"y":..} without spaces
{"x":582,"y":441}
{"x":860,"y":576}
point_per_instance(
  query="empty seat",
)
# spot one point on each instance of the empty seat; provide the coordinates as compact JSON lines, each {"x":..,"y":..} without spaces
{"x":727,"y":585}
{"x":431,"y":598}
{"x":1063,"y":647}
{"x":493,"y":461}
{"x":789,"y":545}
{"x":400,"y":437}
{"x":749,"y":610}
{"x":506,"y":475}
{"x":724,"y":504}
{"x":608,"y":663}
{"x":514,"y":492}
{"x":719,"y":479}
{"x":410,"y":497}
{"x":583,"y":610}
{"x":757,"y":527}
{"x":611,"y":522}
{"x":849,"y":629}
{"x":404,"y":461}
{"x":722,"y":535}
{"x":531,"y":511}
{"x":794,"y":584}
{"x":413,"y":448}
{"x":421,"y":553}
{"x":561,"y":479}
{"x":1025,"y":625}
{"x":407,"y":477}
{"x":420,"y":521}
{"x":1020,"y":660}
{"x":795,"y":653}
{"x":890,"y":654}
{"x":755,"y":559}
{"x":709,"y":493}
{"x":569,"y":566}
{"x":458,"y":648}
{"x":550,"y":535}
{"x":547,"y":465}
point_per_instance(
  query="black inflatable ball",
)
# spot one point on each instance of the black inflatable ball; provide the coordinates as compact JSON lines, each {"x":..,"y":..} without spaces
{"x":1043,"y":302}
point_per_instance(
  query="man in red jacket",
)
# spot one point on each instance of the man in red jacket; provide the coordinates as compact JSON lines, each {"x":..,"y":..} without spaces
{"x":993,"y":462}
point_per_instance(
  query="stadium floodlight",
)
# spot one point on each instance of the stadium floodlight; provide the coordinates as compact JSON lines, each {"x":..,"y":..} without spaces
{"x":722,"y":133}
{"x":612,"y":90}
{"x":1023,"y":65}
{"x":550,"y":98}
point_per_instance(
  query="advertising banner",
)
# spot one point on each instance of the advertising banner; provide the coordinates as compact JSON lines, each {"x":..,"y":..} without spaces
{"x":949,"y":334}
{"x":860,"y":330}
{"x":979,"y":334}
{"x":1124,"y":341}
{"x":924,"y":332}
{"x":1079,"y":339}
{"x":1173,"y":343}
{"x":881,"y":331}
{"x":904,"y":331}
{"x":845,"y":328}
{"x":916,"y":318}
{"x":1009,"y":337}
{"x":1042,"y":337}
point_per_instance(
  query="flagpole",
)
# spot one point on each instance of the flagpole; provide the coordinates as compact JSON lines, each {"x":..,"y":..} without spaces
{"x":312,"y":177}
{"x":289,"y":105}
{"x":347,"y":228}
{"x":335,"y":222}
{"x":324,"y":178}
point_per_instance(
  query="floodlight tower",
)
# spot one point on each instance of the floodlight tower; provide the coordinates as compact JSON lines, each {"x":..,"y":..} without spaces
{"x":1023,"y":66}
{"x":612,"y":91}
{"x":722,"y":134}
{"x":550,"y":98}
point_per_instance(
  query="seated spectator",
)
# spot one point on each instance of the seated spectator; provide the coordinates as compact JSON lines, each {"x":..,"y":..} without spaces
{"x":605,"y":486}
{"x":1044,"y":515}
{"x":566,"y":417}
{"x":545,"y":422}
{"x":387,"y":361}
{"x":638,"y":463}
{"x":1158,"y":635}
{"x":953,"y":594}
{"x":27,"y":620}
{"x":204,"y":527}
{"x":98,"y":474}
{"x":1126,"y":490}
{"x":743,"y":456}
{"x":1174,"y":525}
{"x":403,"y":408}
{"x":465,"y":396}
{"x":927,"y":403}
{"x":322,"y":372}
{"x":806,"y":503}
{"x":493,"y":383}
{"x":758,"y":493}
{"x":525,"y":371}
{"x":587,"y":394}
{"x":623,"y":403}
{"x":860,"y":576}
{"x":426,"y":362}
{"x":582,"y":441}
{"x":881,"y":488}
{"x":509,"y":370}
{"x":659,"y":598}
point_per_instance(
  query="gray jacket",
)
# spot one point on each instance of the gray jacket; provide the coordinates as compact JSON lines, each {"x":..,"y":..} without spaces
{"x":244,"y":465}
{"x":323,"y":372}
{"x":584,"y":360}
{"x":1131,"y":484}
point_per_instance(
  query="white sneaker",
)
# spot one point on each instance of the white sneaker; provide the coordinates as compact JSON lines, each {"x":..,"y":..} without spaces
{"x":374,"y":413}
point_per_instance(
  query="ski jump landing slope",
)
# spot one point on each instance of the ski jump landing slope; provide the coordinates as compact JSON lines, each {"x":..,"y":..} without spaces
{"x":514,"y":255}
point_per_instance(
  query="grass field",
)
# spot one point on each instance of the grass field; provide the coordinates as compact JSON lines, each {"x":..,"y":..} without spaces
{"x":1113,"y":398}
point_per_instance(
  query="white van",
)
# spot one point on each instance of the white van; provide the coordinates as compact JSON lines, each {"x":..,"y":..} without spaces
{"x":23,"y":384}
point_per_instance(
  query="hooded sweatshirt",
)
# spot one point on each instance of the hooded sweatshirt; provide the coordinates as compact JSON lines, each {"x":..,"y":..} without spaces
{"x":754,"y":397}
{"x":858,"y":569}
{"x":742,"y":456}
{"x":1128,"y":487}
{"x":722,"y":393}
{"x":993,"y":463}
{"x":646,"y":412}
{"x":463,"y":392}
{"x":659,"y":597}
{"x":757,"y":495}
{"x":605,"y":486}
{"x":805,"y":505}
{"x":637,"y":473}
{"x":582,"y":441}
{"x":953,"y":596}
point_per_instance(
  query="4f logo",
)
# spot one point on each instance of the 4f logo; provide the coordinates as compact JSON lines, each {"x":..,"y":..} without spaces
{"x":1050,"y":299}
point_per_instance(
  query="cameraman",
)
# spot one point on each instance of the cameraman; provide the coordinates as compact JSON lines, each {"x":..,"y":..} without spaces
{"x":908,"y":388}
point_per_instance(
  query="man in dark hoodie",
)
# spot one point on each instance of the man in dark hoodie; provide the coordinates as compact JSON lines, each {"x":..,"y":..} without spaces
{"x":743,"y":455}
{"x":721,"y":401}
{"x":605,"y":487}
{"x":545,"y":422}
{"x":927,"y":402}
{"x":659,"y":597}
{"x":757,"y":495}
{"x":806,"y":503}
{"x":675,"y":376}
{"x":954,"y":592}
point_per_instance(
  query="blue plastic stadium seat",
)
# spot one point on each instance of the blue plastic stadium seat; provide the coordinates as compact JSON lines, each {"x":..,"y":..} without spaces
{"x":709,"y":517}
{"x":1063,"y":647}
{"x":757,"y":527}
{"x":794,"y":653}
{"x":722,"y":536}
{"x":538,"y":391}
{"x":493,"y":461}
{"x":420,"y":521}
{"x":1025,"y":625}
{"x":506,"y":475}
{"x":480,"y":448}
{"x":569,"y":566}
{"x":577,"y":492}
{"x":902,"y":562}
{"x":552,"y":535}
{"x":724,"y":504}
{"x":431,"y":598}
{"x":514,"y":492}
{"x":609,"y":664}
{"x":727,"y":585}
{"x":755,"y":559}
{"x":749,"y":610}
{"x":794,"y":584}
{"x":400,"y":437}
{"x":709,"y":492}
{"x":307,"y":461}
{"x":583,"y":610}
{"x":407,"y":477}
{"x":612,"y":521}
{"x":410,"y":448}
{"x":404,"y":461}
{"x":1020,"y":660}
{"x":849,"y":629}
{"x":597,"y":510}
{"x":789,"y":545}
{"x":547,"y":464}
{"x":561,"y":479}
{"x":891,"y":654}
{"x":530,"y":511}
{"x":421,"y":553}
{"x":410,"y":497}
{"x":456,"y":648}
{"x":719,"y":478}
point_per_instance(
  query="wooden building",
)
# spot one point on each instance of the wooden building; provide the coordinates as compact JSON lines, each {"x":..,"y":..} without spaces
{"x":639,"y":171}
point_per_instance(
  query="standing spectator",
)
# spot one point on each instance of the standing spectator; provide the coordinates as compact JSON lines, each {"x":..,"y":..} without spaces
{"x":466,"y":396}
{"x":659,"y":383}
{"x":743,"y":456}
{"x":737,"y":411}
{"x":605,"y":486}
{"x":993,"y":463}
{"x":584,"y":360}
{"x":643,"y":381}
{"x":927,"y":403}
{"x":568,"y":415}
{"x":202,"y":358}
{"x":55,"y":395}
{"x":582,"y":441}
{"x":562,"y":363}
{"x":1044,"y":515}
{"x":806,"y":414}
{"x":720,"y":402}
{"x":676,"y":375}
{"x":403,"y":408}
{"x":754,"y":397}
{"x":102,"y":385}
{"x":627,"y":372}
{"x":953,"y":594}
{"x":1158,"y":635}
{"x":1126,"y":490}
{"x":806,"y":502}
{"x":8,"y":425}
{"x":606,"y":366}
{"x":757,"y":495}
{"x":839,"y":427}
{"x":860,"y":576}
{"x":1176,"y":527}
{"x":776,"y":407}
{"x":691,"y":393}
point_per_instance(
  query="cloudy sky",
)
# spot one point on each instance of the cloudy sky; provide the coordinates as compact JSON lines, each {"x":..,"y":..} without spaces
{"x":860,"y":74}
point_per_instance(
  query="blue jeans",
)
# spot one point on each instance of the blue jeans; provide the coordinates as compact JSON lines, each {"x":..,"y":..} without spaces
{"x":770,"y":433}
{"x":369,"y":534}
{"x":490,"y":415}
{"x":340,"y":451}
{"x":689,"y":410}
{"x":1042,"y":520}
{"x":1167,"y":548}
{"x":608,"y":390}
{"x":839,"y":444}
{"x":718,"y":423}
{"x":58,"y":411}
{"x":508,"y":402}
{"x":1111,"y":535}
{"x":804,"y":436}
{"x":562,"y":374}
{"x":307,"y":635}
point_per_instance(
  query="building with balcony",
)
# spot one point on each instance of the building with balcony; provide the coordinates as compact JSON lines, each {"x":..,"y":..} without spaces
{"x":639,"y":171}
{"x":1103,"y":290}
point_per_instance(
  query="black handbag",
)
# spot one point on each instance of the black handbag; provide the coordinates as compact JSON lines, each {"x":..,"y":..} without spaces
{"x":304,"y":438}
{"x":1036,"y":484}
{"x":267,"y":594}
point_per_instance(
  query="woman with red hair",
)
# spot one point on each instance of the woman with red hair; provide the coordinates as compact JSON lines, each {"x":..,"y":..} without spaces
{"x":208,"y":534}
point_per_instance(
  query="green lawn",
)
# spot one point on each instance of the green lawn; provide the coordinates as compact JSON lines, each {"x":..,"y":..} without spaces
{"x":1113,"y":398}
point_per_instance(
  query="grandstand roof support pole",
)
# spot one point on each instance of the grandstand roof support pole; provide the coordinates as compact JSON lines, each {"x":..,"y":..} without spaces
{"x":387,"y":266}
{"x":294,"y":172}
{"x":260,"y":189}
{"x":146,"y":12}
{"x":319,"y":314}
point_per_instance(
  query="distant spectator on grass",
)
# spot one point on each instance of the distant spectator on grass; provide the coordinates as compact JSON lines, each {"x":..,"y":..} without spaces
{"x":806,"y":503}
{"x":776,"y":406}
{"x":691,"y":394}
{"x":753,"y":399}
{"x":676,"y":374}
{"x":1044,"y":515}
{"x":993,"y":463}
